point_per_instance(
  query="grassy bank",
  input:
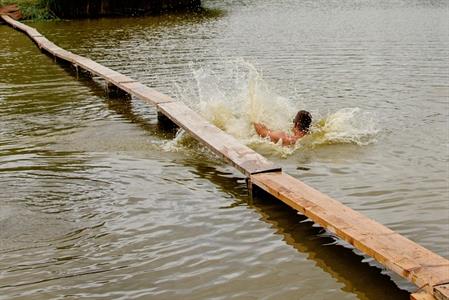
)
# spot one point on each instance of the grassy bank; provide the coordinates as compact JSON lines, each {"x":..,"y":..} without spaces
{"x":32,"y":9}
{"x":50,"y":9}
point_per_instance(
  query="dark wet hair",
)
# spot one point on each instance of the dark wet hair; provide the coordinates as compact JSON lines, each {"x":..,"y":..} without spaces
{"x":302,"y":120}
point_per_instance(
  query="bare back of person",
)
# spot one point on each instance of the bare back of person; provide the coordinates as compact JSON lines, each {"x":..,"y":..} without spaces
{"x":301,"y":125}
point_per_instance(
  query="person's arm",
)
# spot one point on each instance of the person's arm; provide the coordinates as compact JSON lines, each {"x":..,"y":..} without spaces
{"x":274,"y":136}
{"x":261,"y":129}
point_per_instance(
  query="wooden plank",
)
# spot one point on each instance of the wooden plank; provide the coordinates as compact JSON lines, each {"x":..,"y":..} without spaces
{"x":119,"y":79}
{"x":441,"y":291}
{"x":149,"y":95}
{"x":397,"y":253}
{"x":30,"y":31}
{"x":245,"y":159}
{"x":241,"y":157}
{"x":45,"y":44}
{"x":104,"y":72}
{"x":33,"y":32}
{"x":40,"y":41}
{"x":94,"y":67}
{"x":421,"y":296}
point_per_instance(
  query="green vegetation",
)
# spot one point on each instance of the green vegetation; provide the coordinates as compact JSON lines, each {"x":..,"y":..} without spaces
{"x":32,"y":9}
{"x":51,"y":9}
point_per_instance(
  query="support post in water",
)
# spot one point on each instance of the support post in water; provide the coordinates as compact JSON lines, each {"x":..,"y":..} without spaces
{"x":249,"y":186}
{"x":441,"y":291}
{"x":115,"y":92}
{"x":165,"y":122}
{"x":421,"y":296}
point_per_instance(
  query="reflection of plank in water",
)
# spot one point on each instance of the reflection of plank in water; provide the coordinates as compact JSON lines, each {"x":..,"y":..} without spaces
{"x":424,"y":268}
{"x":399,"y":254}
{"x":421,"y":296}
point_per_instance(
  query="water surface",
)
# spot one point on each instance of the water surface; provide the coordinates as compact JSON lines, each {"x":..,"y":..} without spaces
{"x":100,"y":202}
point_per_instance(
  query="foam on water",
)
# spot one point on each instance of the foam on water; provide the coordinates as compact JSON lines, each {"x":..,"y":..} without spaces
{"x":347,"y":125}
{"x":236,"y":96}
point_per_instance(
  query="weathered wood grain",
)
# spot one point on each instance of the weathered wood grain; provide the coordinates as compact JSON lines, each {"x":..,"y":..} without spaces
{"x":397,"y":253}
{"x":141,"y":91}
{"x":441,"y":292}
{"x":421,"y":296}
{"x":241,"y":157}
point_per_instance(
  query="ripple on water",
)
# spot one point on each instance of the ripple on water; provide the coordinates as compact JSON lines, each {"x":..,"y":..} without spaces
{"x":91,"y":205}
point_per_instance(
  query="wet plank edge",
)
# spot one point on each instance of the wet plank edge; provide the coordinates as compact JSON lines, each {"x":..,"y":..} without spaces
{"x":397,"y":253}
{"x":241,"y":157}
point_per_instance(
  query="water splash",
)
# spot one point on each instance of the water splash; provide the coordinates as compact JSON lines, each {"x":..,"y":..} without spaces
{"x":347,"y":125}
{"x":236,"y":95}
{"x":175,"y":144}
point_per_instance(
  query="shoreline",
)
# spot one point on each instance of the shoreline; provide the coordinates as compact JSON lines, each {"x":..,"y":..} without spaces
{"x":84,"y":9}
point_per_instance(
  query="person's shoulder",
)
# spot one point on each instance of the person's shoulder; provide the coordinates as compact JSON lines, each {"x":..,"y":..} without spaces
{"x":289,"y":140}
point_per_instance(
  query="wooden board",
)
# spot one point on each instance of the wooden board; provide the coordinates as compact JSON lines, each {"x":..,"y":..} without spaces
{"x":14,"y":23}
{"x":149,"y":95}
{"x":397,"y":253}
{"x":241,"y":157}
{"x":441,"y":291}
{"x":33,"y":32}
{"x":63,"y":54}
{"x":40,"y":41}
{"x":94,"y":67}
{"x":421,"y":296}
{"x":30,"y":31}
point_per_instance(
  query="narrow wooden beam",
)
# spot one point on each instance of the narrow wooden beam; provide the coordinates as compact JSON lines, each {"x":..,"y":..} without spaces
{"x":227,"y":147}
{"x":421,"y":296}
{"x":441,"y":291}
{"x":399,"y":254}
{"x":148,"y":95}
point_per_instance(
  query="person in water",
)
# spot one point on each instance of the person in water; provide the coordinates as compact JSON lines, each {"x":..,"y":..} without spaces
{"x":301,"y":125}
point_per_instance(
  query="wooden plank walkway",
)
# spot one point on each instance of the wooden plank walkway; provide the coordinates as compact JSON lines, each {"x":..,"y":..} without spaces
{"x":429,"y":271}
{"x":240,"y":156}
{"x":399,"y":254}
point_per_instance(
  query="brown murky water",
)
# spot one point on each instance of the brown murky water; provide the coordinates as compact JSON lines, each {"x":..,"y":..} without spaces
{"x":99,"y":202}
